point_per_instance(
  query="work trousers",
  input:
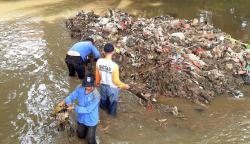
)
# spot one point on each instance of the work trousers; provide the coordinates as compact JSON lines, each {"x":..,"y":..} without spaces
{"x":75,"y":64}
{"x":86,"y":132}
{"x":109,"y":98}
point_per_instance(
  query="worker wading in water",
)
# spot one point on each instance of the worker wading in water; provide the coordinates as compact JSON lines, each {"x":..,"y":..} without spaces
{"x":77,"y":57}
{"x":87,"y":109}
{"x":107,"y":77}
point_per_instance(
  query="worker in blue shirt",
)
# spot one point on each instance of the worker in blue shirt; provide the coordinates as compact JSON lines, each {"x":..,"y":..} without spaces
{"x":87,"y":109}
{"x":77,"y":57}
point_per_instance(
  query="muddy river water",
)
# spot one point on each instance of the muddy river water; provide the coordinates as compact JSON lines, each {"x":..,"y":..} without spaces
{"x":33,"y":76}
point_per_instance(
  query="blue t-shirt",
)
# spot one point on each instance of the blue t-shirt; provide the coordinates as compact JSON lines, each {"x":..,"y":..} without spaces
{"x":85,"y":48}
{"x":88,"y":105}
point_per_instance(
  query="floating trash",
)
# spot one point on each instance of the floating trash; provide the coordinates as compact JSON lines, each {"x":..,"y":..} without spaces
{"x":62,"y":118}
{"x":237,"y":94}
{"x":232,"y":10}
{"x":244,"y":24}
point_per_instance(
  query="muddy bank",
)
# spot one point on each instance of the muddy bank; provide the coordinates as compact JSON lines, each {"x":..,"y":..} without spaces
{"x":167,"y":56}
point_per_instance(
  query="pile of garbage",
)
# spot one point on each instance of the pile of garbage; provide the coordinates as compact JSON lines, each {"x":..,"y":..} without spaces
{"x":167,"y":56}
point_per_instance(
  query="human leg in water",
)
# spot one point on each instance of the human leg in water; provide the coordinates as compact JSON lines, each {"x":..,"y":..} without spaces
{"x":81,"y":130}
{"x":68,"y":61}
{"x":113,"y":98}
{"x":104,"y":102}
{"x":90,"y":137}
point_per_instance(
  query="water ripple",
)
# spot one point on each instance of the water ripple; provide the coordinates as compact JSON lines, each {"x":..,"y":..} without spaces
{"x":234,"y":133}
{"x":24,"y":58}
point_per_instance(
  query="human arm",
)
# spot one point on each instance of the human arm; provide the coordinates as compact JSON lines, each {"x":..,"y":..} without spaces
{"x":71,"y":98}
{"x":93,"y":104}
{"x":97,"y":76}
{"x":116,"y":79}
{"x":95,"y":52}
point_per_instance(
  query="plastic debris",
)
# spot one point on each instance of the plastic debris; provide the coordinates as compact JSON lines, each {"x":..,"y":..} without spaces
{"x":244,"y":24}
{"x":237,"y":94}
{"x":175,"y":111}
{"x":179,"y":35}
{"x":248,"y":46}
{"x":167,"y":56}
{"x":63,"y":121}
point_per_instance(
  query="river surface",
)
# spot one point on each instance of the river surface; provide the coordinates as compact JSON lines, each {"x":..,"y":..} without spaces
{"x":33,"y":76}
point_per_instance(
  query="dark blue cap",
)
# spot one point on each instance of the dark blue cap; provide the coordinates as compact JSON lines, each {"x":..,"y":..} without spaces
{"x":108,"y":47}
{"x":88,"y":80}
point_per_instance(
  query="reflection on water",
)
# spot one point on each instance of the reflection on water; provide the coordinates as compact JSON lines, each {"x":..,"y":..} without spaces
{"x":33,"y":75}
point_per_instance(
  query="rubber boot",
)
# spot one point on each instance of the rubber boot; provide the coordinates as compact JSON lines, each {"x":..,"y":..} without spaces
{"x":112,"y":108}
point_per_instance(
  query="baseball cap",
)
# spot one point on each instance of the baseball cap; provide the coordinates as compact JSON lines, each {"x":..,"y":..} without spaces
{"x":88,"y":80}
